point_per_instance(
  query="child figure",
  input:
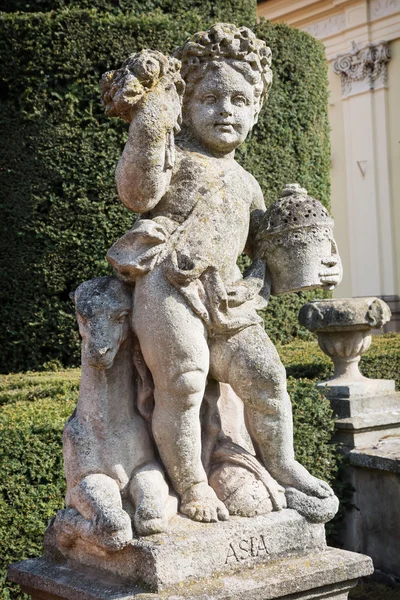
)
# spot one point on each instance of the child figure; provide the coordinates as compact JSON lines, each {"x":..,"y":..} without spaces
{"x":193,"y":313}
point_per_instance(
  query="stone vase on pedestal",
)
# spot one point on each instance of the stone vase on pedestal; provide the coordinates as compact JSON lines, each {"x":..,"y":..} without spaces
{"x":367,"y":426}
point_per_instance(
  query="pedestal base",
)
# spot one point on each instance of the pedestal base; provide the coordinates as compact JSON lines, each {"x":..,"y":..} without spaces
{"x":191,"y":550}
{"x":314,"y":576}
{"x":335,"y":388}
{"x":373,"y":525}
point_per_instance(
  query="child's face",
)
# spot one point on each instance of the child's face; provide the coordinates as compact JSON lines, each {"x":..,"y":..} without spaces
{"x":220,"y":112}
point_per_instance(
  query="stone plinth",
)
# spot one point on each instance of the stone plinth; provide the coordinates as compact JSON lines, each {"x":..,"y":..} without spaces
{"x":317,"y":575}
{"x":374,"y":526}
{"x":191,"y":550}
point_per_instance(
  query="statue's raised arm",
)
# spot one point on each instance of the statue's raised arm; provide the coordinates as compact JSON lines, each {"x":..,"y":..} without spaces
{"x":147,"y":93}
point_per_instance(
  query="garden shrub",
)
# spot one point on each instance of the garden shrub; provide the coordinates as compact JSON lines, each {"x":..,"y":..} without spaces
{"x":33,"y":410}
{"x":59,"y":208}
{"x":237,"y":11}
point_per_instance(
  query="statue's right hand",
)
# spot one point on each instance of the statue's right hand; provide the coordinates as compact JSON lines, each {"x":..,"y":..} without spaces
{"x":160,"y":108}
{"x":144,"y":78}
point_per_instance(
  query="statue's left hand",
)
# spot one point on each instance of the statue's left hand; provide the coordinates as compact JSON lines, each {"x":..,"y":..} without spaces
{"x":249,"y":287}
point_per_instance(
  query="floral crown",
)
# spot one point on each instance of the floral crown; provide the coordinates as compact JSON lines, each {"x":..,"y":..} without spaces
{"x":228,"y":42}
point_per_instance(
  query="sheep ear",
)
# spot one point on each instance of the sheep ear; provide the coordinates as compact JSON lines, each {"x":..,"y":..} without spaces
{"x":72,"y":297}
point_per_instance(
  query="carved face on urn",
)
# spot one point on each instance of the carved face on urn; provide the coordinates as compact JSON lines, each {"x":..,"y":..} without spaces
{"x":296,"y":241}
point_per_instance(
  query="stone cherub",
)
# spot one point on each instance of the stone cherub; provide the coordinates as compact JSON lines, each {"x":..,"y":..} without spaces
{"x":193,"y":313}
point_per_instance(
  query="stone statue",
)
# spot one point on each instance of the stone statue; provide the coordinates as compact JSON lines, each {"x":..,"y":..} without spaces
{"x":154,"y":398}
{"x":110,"y":464}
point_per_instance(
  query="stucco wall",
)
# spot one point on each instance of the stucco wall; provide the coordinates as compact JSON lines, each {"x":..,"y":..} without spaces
{"x":394,"y":150}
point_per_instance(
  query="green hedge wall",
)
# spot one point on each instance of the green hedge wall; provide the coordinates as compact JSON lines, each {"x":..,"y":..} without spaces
{"x":238,"y":11}
{"x":34,"y":407}
{"x":59,"y":209}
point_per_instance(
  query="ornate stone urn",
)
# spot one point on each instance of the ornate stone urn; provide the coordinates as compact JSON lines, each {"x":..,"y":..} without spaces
{"x":343,"y":327}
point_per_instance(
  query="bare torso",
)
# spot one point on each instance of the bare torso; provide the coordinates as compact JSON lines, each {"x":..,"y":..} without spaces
{"x":220,"y":193}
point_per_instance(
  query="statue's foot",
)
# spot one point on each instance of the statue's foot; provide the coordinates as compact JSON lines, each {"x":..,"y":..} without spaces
{"x":150,"y":526}
{"x":154,"y":505}
{"x":200,"y":503}
{"x":153,"y":517}
{"x":296,"y":476}
{"x":111,"y":531}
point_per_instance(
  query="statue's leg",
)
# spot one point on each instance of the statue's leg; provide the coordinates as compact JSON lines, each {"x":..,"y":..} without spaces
{"x":250,"y":363}
{"x":95,"y":514}
{"x":174,"y":345}
{"x":154,"y":505}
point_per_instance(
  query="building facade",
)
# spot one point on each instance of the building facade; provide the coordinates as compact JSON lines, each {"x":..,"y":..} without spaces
{"x":362,"y":43}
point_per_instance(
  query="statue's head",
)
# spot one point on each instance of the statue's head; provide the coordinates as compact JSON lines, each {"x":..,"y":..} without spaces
{"x":227,"y":72}
{"x":103,"y":308}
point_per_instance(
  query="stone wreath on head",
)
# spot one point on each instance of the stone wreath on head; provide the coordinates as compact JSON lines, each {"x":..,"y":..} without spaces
{"x":238,"y":46}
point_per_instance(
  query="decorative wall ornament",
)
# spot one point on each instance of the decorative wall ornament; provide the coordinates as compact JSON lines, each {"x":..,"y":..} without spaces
{"x":363,"y":69}
{"x":326,"y":27}
{"x":383,"y":8}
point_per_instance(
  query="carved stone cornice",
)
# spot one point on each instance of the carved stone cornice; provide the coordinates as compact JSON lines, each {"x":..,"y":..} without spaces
{"x":327,"y":27}
{"x":383,"y":8}
{"x":363,"y":69}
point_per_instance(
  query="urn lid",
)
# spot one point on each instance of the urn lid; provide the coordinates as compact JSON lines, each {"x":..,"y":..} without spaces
{"x":295,"y":210}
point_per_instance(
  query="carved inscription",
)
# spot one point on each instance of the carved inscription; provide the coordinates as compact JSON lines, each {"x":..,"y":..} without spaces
{"x":247,"y":548}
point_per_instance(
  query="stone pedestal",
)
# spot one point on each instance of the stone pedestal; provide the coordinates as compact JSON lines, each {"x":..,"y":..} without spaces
{"x":312,"y":576}
{"x":374,"y":526}
{"x":367,"y":409}
{"x":279,"y":555}
{"x":190,"y":550}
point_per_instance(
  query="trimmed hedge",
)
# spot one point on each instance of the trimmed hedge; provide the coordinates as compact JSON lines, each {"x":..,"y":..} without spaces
{"x":32,"y":487}
{"x":34,"y":407}
{"x":238,"y":11}
{"x":59,"y":209}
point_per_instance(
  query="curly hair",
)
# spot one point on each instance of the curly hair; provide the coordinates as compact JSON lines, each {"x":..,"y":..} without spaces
{"x":236,"y":45}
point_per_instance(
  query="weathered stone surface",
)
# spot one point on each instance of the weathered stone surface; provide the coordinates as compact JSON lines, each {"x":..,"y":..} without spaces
{"x":192,"y":550}
{"x":362,"y":431}
{"x":344,"y":313}
{"x":357,"y":405}
{"x":313,"y":576}
{"x":373,"y":525}
{"x":384,"y":455}
{"x":109,"y":460}
{"x":164,"y":344}
{"x":358,"y":391}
